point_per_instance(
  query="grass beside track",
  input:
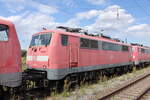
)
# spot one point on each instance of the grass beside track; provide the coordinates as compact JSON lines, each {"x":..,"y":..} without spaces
{"x":23,"y":59}
{"x":89,"y":91}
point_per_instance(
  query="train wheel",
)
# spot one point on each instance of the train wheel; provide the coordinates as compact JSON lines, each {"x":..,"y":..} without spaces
{"x":67,"y":83}
{"x":71,"y":82}
{"x":15,"y":97}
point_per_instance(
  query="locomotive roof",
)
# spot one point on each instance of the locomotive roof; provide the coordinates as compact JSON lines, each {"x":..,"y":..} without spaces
{"x":6,"y":22}
{"x":82,"y":35}
{"x":144,"y":47}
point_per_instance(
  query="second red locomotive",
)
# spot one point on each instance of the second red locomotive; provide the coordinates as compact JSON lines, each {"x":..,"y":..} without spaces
{"x":55,"y":54}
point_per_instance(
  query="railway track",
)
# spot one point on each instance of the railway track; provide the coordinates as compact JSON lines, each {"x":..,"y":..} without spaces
{"x":134,"y":89}
{"x":146,"y":96}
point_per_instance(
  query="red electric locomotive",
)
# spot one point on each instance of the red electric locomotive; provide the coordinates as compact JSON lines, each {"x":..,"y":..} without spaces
{"x":141,"y":54}
{"x":56,"y":53}
{"x":10,"y":55}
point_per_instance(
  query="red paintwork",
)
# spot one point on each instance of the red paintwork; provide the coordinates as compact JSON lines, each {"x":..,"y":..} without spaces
{"x":10,"y":53}
{"x":72,"y":55}
{"x":138,"y":55}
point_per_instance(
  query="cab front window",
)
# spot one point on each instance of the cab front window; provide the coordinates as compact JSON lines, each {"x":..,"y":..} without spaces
{"x":40,"y":40}
{"x":4,"y":32}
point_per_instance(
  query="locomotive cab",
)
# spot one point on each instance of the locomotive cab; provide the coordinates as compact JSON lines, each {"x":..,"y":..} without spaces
{"x":53,"y":53}
{"x":10,"y":59}
{"x":38,"y":50}
{"x":40,"y":53}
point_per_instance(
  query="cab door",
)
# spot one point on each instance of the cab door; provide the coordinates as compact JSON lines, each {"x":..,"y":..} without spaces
{"x":73,"y":51}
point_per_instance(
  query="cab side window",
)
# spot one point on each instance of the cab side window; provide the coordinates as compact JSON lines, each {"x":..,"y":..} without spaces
{"x":84,"y":43}
{"x":125,"y":48}
{"x":4,"y":32}
{"x":64,"y":40}
{"x":94,"y":44}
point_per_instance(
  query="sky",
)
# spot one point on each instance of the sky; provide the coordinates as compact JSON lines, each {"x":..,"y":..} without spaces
{"x":124,"y":19}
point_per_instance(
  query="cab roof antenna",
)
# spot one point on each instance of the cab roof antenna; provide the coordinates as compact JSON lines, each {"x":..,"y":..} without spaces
{"x":44,"y":27}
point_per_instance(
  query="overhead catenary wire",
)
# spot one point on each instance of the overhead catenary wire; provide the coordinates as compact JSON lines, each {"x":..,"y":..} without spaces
{"x":142,"y":8}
